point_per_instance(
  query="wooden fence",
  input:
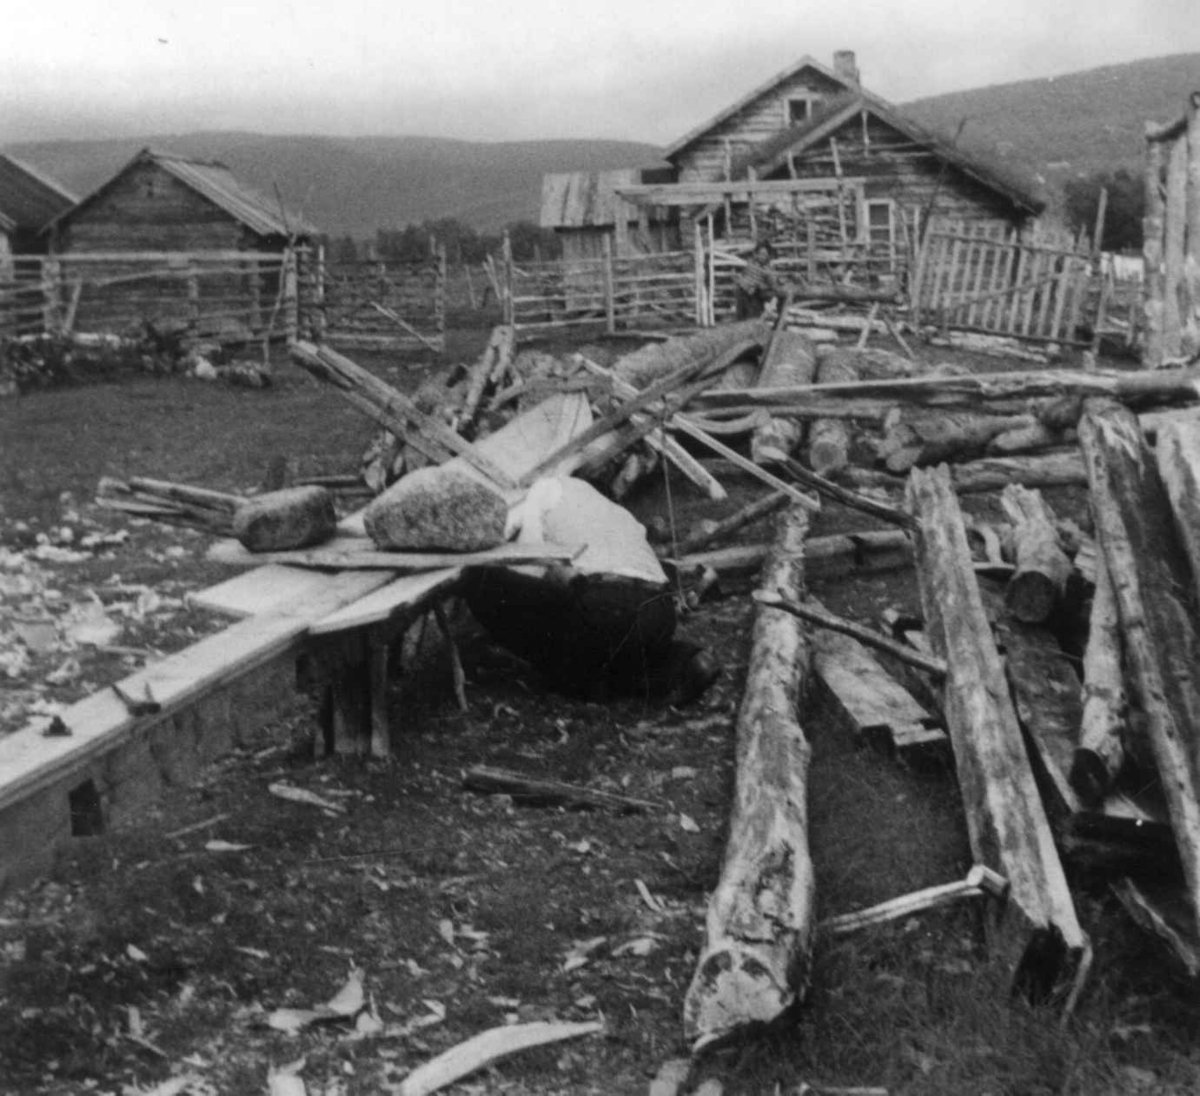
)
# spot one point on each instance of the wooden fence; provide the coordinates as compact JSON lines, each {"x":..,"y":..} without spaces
{"x":227,"y":296}
{"x":632,"y":291}
{"x":978,"y":282}
{"x":1171,"y":244}
{"x":377,"y":304}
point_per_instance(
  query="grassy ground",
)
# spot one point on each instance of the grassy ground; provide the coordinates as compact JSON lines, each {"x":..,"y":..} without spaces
{"x":151,"y":954}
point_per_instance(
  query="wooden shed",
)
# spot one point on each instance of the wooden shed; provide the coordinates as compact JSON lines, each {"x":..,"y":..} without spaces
{"x":29,"y":200}
{"x":163,"y":202}
{"x":583,"y":208}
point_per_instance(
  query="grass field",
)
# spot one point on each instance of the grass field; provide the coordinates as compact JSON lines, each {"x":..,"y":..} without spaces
{"x":148,"y":956}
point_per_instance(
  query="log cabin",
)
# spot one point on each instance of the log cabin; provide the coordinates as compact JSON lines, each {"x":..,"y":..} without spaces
{"x":29,"y":200}
{"x":160,"y":201}
{"x":809,"y":157}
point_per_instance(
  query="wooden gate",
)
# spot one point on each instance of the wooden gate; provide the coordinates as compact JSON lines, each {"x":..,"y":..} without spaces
{"x":1001,"y":286}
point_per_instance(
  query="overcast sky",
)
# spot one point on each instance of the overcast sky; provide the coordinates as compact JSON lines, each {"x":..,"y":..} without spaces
{"x":646,"y":70}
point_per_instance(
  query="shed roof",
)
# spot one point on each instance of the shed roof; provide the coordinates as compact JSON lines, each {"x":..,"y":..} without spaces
{"x":763,"y":89}
{"x":213,"y":180}
{"x":29,"y":199}
{"x":586,"y":199}
{"x":773,"y":153}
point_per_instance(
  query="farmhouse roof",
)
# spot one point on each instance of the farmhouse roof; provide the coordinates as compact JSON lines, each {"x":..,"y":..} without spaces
{"x":29,"y":199}
{"x":763,"y":89}
{"x":214,"y":181}
{"x":773,"y":153}
{"x":585,"y":199}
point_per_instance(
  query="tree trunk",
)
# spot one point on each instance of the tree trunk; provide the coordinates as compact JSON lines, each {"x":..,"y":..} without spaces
{"x":760,"y":918}
{"x":1007,"y":824}
{"x":1156,"y":610}
{"x":1061,"y":469}
{"x":915,"y":438}
{"x":790,"y":360}
{"x":1178,"y":457}
{"x":1101,"y":750}
{"x":829,"y":439}
{"x":1042,"y":566}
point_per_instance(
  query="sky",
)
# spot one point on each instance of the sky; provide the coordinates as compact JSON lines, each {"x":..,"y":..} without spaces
{"x":643,"y":70}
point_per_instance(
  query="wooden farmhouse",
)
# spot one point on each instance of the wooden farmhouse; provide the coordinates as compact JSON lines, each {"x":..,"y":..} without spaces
{"x":810,"y":159}
{"x":29,"y":200}
{"x":163,"y":202}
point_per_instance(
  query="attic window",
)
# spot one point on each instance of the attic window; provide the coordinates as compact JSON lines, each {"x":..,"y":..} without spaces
{"x":799,"y":109}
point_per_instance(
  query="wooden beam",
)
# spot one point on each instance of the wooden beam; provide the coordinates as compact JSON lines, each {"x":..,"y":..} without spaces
{"x":1006,"y":822}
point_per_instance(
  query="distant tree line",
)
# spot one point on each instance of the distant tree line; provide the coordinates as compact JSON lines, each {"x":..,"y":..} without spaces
{"x":463,"y":243}
{"x":1126,"y":207}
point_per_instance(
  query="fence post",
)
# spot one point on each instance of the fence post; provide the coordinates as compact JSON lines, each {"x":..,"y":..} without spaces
{"x":50,"y":288}
{"x":193,"y":292}
{"x":439,"y":298}
{"x":610,"y":310}
{"x":698,"y":273}
{"x":319,"y":319}
{"x":508,"y":310}
{"x":1154,"y":277}
{"x":291,"y":296}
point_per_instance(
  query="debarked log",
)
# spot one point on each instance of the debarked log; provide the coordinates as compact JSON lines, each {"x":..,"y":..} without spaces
{"x":790,"y":359}
{"x":1040,"y":933}
{"x":1043,"y":568}
{"x":760,"y":920}
{"x":1155,"y":605}
{"x":1101,"y":751}
{"x":829,"y":439}
{"x":1063,"y":468}
{"x":1178,"y":457}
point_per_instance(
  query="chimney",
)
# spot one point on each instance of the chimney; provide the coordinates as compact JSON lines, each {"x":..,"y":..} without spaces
{"x":845,"y":66}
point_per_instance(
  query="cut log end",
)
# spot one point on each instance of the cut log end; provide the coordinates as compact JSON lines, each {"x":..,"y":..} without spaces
{"x":1090,"y":777}
{"x":1031,"y":597}
{"x":734,"y":986}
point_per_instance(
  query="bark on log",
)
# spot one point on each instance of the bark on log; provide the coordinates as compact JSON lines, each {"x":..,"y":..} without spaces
{"x":495,"y":360}
{"x":1028,"y":439}
{"x":868,"y":363}
{"x":296,"y":517}
{"x":1178,"y":457}
{"x":917,"y":437}
{"x":1160,"y":386}
{"x":650,"y":362}
{"x":1043,"y":568}
{"x":829,"y":439}
{"x":1060,"y":469}
{"x":760,"y":919}
{"x":790,"y":359}
{"x":1156,"y":608}
{"x":1101,"y":750}
{"x":1006,"y":821}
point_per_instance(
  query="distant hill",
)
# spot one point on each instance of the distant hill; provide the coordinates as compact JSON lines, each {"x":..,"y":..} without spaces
{"x":1049,"y":129}
{"x":1070,"y":125}
{"x":356,"y":185}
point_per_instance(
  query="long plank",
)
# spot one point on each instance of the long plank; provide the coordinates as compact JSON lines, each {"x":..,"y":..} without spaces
{"x":407,"y":592}
{"x":37,"y":772}
{"x":268,"y":587}
{"x":359,"y":553}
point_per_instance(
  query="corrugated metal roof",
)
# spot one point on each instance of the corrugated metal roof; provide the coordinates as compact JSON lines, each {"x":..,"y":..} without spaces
{"x":219,"y":185}
{"x":30,"y":199}
{"x":213,"y":180}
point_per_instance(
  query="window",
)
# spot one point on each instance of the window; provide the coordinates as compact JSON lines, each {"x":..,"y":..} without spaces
{"x":799,"y":109}
{"x":881,"y":229}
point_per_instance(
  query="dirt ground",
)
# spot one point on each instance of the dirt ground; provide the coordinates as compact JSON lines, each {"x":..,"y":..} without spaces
{"x":162,"y":952}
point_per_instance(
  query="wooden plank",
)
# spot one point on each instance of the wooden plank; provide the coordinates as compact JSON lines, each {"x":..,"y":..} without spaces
{"x":270,"y":587}
{"x":360,"y":554}
{"x":408,"y":592}
{"x":39,"y":772}
{"x":1178,"y":458}
{"x":870,"y":699}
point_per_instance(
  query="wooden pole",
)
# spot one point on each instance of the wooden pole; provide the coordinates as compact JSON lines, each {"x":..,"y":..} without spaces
{"x":1174,"y":227}
{"x":507,"y":287}
{"x":1151,"y":583}
{"x":1006,"y":821}
{"x":610,"y":316}
{"x":1154,"y":274}
{"x":1038,"y":583}
{"x":759,"y":925}
{"x":1191,"y":262}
